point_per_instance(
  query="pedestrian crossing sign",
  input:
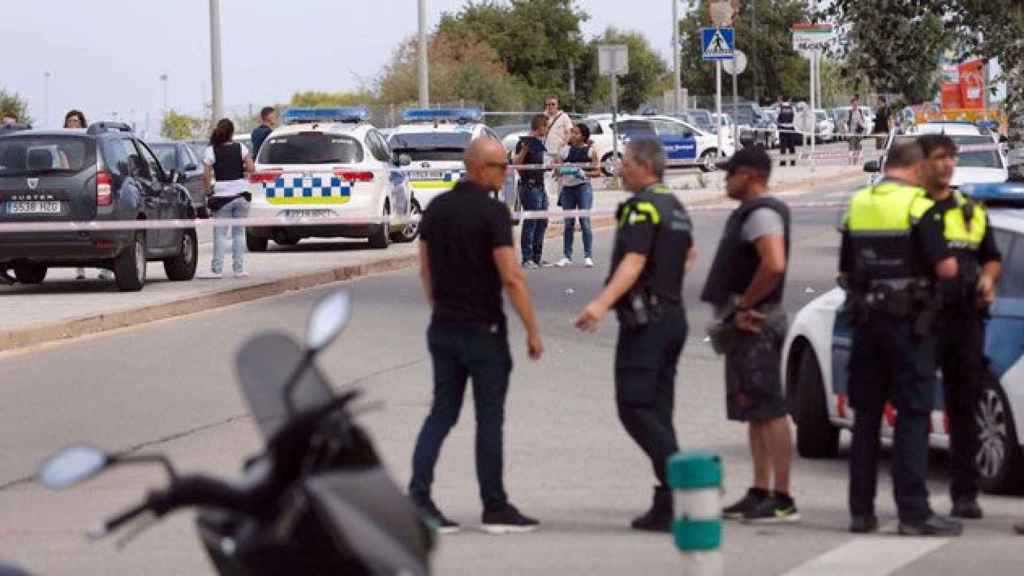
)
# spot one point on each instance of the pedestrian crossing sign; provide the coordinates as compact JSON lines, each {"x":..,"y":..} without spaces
{"x":718,"y":43}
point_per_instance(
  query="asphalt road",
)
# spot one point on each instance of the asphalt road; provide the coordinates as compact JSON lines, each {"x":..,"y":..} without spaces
{"x":170,"y":387}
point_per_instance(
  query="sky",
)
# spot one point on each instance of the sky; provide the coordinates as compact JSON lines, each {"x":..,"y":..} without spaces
{"x":107,"y":56}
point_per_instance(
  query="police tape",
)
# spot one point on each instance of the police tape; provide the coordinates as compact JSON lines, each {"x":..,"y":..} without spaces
{"x":286,"y":221}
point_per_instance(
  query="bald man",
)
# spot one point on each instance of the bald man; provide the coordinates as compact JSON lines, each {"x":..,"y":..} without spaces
{"x":466,"y":258}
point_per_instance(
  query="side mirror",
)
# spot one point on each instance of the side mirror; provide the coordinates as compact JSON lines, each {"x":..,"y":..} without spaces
{"x":191,"y":167}
{"x":71,"y":466}
{"x":329,"y":317}
{"x":404,"y":160}
{"x":872,"y":167}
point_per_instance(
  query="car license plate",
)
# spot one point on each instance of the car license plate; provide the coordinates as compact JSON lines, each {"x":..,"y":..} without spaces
{"x":34,"y":207}
{"x":307,"y":213}
{"x":426,"y":175}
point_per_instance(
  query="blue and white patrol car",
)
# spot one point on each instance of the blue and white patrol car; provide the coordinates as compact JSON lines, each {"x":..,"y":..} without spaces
{"x":330,"y":162}
{"x":817,"y":350}
{"x":435,"y":141}
{"x":685,"y":144}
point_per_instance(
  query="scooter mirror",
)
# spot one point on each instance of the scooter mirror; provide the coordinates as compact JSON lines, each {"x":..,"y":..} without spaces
{"x":71,"y":466}
{"x":330,"y":316}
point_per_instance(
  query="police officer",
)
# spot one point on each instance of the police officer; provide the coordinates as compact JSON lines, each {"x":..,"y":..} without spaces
{"x":653,"y":249}
{"x":960,"y":328}
{"x":787,"y":130}
{"x":889,"y":260}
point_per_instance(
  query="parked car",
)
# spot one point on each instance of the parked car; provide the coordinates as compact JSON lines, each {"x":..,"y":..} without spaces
{"x":181,"y":157}
{"x":825,"y":129}
{"x":841,"y":117}
{"x":752,"y":125}
{"x":978,"y":166}
{"x":816,"y":354}
{"x":684,"y":144}
{"x":102,"y":174}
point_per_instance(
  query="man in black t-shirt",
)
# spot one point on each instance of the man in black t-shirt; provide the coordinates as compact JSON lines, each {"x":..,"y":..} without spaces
{"x":653,"y":250}
{"x":532,"y":196}
{"x":466,"y":258}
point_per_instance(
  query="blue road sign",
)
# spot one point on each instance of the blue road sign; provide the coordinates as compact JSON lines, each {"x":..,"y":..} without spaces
{"x":718,"y":43}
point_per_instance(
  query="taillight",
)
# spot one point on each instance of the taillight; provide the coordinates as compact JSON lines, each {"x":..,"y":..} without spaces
{"x":265,"y":176}
{"x":351,"y":176}
{"x":104,"y":189}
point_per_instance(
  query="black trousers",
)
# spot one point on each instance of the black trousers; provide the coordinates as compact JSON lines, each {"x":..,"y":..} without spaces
{"x":460,"y":353}
{"x":889,"y":363}
{"x":645,"y":382}
{"x":787,"y":145}
{"x":960,"y":352}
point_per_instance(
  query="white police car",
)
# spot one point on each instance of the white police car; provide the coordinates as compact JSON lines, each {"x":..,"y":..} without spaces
{"x":817,"y":350}
{"x":981,"y":156}
{"x":330,"y":162}
{"x":685,"y":144}
{"x":435,"y":141}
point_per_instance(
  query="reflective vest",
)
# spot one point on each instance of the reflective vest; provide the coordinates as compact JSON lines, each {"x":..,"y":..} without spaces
{"x":879,"y":222}
{"x":963,"y":232}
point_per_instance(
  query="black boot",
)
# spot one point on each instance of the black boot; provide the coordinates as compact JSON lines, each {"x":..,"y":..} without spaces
{"x":659,"y":517}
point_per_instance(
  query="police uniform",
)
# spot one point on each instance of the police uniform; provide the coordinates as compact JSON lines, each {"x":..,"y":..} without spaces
{"x":788,"y":137}
{"x":652,"y":325}
{"x":888,"y":254}
{"x":960,"y":332}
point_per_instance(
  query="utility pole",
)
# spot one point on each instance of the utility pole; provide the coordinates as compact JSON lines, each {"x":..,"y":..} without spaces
{"x":215,"y":61}
{"x":675,"y":57}
{"x":756,"y":64}
{"x":163,"y":78}
{"x":46,"y":99}
{"x":424,"y":75}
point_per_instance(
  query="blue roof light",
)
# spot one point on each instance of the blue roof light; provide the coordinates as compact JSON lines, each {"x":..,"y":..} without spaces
{"x":311,"y":115}
{"x":1000,"y":193}
{"x":442,"y":115}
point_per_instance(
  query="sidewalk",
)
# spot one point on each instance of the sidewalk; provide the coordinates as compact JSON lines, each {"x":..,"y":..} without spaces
{"x":63,"y":307}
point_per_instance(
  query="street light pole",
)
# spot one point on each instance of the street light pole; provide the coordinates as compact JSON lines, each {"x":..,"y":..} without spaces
{"x":46,"y":99}
{"x":424,"y":77}
{"x":163,"y":78}
{"x":215,"y":61}
{"x":675,"y":57}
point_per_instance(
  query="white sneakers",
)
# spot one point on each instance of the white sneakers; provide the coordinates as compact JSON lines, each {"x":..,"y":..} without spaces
{"x":588,"y":262}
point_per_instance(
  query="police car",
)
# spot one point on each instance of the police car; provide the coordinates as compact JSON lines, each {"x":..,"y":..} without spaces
{"x":981,"y":157}
{"x":817,"y":351}
{"x":435,"y":142}
{"x":685,"y":144}
{"x":330,"y":162}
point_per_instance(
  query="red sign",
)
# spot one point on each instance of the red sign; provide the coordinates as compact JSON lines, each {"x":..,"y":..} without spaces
{"x":964,"y":88}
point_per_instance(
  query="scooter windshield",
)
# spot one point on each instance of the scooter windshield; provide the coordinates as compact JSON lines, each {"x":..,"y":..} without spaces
{"x":264,"y":365}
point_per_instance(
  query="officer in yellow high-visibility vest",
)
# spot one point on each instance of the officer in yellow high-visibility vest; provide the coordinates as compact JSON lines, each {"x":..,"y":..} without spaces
{"x":889,"y":261}
{"x":960,"y":327}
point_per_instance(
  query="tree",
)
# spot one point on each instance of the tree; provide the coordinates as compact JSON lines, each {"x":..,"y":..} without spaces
{"x":181,"y":126}
{"x":779,"y":70}
{"x":646,"y":78}
{"x":536,"y":40}
{"x":13,"y":105}
{"x":314,"y":99}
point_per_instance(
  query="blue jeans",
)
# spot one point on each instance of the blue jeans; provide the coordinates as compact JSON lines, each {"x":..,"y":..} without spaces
{"x":238,"y":208}
{"x":533,"y":197}
{"x":579,"y":197}
{"x":460,"y":353}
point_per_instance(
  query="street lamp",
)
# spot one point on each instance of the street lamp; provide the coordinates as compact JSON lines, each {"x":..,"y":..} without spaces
{"x":163,"y":78}
{"x":215,"y":61}
{"x":677,"y":83}
{"x":423,"y":63}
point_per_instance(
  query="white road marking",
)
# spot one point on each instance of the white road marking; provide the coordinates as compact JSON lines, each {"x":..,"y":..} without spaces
{"x":870,"y":556}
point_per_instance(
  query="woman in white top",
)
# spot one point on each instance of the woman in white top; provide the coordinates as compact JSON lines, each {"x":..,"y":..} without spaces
{"x":76,"y":119}
{"x":230,"y":164}
{"x":576,"y":193}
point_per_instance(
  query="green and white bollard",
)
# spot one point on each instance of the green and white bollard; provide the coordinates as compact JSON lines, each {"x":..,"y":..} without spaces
{"x":696,"y":481}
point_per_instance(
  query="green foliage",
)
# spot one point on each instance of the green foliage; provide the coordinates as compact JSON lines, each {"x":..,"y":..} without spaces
{"x":177,"y":126}
{"x":648,"y":74}
{"x":314,"y":99}
{"x":13,"y":105}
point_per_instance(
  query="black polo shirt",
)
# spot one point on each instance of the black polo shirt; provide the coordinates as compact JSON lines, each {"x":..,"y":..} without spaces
{"x":462,"y":228}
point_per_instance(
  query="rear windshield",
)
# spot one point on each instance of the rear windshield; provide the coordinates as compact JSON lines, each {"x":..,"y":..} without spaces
{"x":973,"y":158}
{"x":36,"y":155}
{"x":432,"y":145}
{"x":311,"y":148}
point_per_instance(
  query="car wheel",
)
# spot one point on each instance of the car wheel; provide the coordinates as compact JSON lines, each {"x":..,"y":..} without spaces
{"x":816,"y":436}
{"x":256,"y":243}
{"x":183,"y":266}
{"x":608,"y":164}
{"x":283,"y":238}
{"x":707,"y":161}
{"x":30,"y":273}
{"x":999,"y":458}
{"x":411,"y":230}
{"x":381,"y":239}
{"x":130,"y":266}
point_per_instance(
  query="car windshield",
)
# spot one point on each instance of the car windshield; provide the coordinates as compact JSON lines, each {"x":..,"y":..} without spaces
{"x":970,"y":156}
{"x":166,"y":154}
{"x":35,"y":155}
{"x":820,"y":114}
{"x":702,"y":119}
{"x":311,"y":148}
{"x":437,"y":146}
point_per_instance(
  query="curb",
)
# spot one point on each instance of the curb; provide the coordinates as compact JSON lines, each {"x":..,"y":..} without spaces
{"x":99,"y":323}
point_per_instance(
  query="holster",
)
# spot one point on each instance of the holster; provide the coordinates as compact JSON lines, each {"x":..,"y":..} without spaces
{"x":638,"y":308}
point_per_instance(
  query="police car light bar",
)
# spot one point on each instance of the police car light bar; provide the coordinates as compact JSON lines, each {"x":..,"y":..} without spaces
{"x":442,"y":115}
{"x":311,"y":115}
{"x":1009,"y":194}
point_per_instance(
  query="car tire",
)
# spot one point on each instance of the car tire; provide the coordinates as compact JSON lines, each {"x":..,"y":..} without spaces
{"x":183,"y":266}
{"x":287,"y":241}
{"x":30,"y":273}
{"x":606,"y":163}
{"x":256,"y":243}
{"x":816,"y":436}
{"x":130,"y":265}
{"x":411,"y":230}
{"x":707,"y":161}
{"x":381,"y":238}
{"x":1000,"y":459}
